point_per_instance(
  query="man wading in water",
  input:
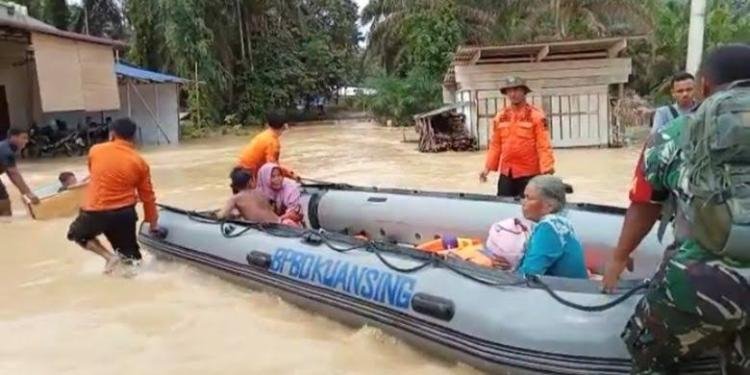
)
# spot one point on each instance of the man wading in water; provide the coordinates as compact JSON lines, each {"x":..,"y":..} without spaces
{"x":119,"y":177}
{"x":16,"y":141}
{"x":699,"y":163}
{"x":520,"y":148}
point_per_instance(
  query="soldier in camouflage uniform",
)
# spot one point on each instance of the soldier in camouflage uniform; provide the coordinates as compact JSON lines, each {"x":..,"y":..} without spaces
{"x":697,"y":300}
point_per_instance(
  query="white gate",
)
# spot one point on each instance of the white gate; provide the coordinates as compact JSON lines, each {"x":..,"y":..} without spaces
{"x":574,"y":120}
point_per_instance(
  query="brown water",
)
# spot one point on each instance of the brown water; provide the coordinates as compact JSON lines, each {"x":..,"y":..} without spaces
{"x":60,"y":315}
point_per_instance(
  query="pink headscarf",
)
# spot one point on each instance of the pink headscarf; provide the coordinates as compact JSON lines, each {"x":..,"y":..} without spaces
{"x":284,"y":199}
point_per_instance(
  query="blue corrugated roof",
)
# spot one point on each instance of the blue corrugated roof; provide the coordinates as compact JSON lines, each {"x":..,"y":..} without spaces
{"x":131,"y":71}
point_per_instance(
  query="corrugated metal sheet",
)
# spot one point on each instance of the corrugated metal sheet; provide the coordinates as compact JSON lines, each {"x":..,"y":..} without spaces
{"x":135,"y":72}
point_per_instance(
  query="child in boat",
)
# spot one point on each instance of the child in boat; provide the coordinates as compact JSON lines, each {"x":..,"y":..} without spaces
{"x":553,"y":248}
{"x":67,"y":179}
{"x":246,"y":202}
{"x":282,"y":193}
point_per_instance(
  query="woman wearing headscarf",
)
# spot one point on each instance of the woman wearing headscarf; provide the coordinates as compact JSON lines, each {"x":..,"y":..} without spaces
{"x":282,"y":193}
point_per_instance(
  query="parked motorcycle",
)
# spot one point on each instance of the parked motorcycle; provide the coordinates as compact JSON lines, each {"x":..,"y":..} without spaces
{"x":46,"y":142}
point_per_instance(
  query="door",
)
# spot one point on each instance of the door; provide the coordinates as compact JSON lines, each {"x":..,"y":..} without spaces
{"x":4,"y":115}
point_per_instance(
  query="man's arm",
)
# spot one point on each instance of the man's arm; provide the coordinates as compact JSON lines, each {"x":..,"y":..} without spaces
{"x":15,"y":176}
{"x":148,"y":197}
{"x":639,"y":219}
{"x":226,"y":211}
{"x":273,"y":150}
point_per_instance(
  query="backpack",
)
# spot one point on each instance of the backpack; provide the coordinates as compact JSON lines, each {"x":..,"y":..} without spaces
{"x":715,"y":146}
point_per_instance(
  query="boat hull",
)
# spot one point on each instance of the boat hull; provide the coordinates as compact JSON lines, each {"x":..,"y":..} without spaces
{"x":509,"y":327}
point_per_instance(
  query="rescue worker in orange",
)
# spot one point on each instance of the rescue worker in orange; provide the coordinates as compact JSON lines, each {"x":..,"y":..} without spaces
{"x":266,"y":148}
{"x":520,"y":147}
{"x":119,"y":177}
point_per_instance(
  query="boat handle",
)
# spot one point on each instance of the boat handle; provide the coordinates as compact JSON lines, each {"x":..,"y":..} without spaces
{"x":434,"y":306}
{"x":259,"y":259}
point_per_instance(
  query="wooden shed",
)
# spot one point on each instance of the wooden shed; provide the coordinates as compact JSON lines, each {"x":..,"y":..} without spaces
{"x":572,"y":82}
{"x":444,"y":129}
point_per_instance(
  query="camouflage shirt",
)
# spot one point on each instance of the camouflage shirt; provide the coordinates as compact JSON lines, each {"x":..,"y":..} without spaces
{"x":665,"y":170}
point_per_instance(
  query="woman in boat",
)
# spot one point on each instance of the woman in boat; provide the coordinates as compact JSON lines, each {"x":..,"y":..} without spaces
{"x":553,"y":248}
{"x":283,"y":194}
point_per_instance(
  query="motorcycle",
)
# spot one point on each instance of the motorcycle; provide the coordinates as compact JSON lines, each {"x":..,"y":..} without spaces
{"x":46,"y":142}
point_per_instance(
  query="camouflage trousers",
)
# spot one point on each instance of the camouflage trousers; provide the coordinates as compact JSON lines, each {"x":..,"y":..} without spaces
{"x":690,"y":308}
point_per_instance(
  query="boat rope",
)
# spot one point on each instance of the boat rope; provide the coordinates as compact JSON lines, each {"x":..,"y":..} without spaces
{"x":536,"y":280}
{"x":227,"y":230}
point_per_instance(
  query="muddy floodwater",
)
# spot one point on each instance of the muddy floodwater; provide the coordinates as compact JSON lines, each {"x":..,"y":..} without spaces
{"x":60,"y":315}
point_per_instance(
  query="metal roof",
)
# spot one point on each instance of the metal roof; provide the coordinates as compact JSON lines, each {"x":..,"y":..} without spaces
{"x":132,"y":71}
{"x":443,"y":109}
{"x":536,"y":52}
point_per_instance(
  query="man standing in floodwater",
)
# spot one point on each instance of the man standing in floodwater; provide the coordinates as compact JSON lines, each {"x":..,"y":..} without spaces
{"x":16,"y":141}
{"x":520,"y":148}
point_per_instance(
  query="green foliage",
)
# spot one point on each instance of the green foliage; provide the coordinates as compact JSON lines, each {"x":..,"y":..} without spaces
{"x":399,"y":98}
{"x":251,"y":55}
{"x":56,"y":12}
{"x":430,"y":35}
{"x":102,"y":17}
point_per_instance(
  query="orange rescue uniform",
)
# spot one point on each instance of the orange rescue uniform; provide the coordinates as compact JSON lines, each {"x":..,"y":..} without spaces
{"x":520,"y":145}
{"x":117,"y":172}
{"x":263,"y":148}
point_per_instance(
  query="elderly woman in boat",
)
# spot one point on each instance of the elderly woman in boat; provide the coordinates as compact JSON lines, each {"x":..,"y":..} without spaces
{"x":553,"y":248}
{"x":282,"y":193}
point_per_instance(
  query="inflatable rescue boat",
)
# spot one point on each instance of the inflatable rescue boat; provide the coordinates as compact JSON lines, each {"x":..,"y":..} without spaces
{"x":493,"y":320}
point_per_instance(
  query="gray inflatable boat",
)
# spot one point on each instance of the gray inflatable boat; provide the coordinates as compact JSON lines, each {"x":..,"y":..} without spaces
{"x":490,"y":319}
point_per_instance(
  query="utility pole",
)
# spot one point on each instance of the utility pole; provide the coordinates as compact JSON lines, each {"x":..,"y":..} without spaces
{"x":85,"y":17}
{"x":242,"y":34}
{"x":695,"y":35}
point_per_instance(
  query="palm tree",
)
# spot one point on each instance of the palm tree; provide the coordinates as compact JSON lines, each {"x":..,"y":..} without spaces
{"x":594,"y":18}
{"x":387,"y":19}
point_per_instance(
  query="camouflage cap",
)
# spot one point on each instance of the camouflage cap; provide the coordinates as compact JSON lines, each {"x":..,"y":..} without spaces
{"x":513,"y":81}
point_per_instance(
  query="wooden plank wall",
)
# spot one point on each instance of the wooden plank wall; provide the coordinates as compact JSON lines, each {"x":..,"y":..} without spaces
{"x":577,"y":73}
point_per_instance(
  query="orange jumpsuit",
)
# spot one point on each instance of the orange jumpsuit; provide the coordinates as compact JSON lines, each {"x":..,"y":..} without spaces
{"x":263,"y":148}
{"x":119,"y":178}
{"x":520,"y":145}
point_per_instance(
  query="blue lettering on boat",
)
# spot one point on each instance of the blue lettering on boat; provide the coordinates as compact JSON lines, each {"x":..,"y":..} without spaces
{"x":388,"y":288}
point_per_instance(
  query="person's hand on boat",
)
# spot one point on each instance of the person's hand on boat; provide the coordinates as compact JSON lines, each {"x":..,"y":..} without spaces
{"x":154,"y":228}
{"x":551,"y":171}
{"x":31,"y":198}
{"x":483,"y":175}
{"x":612,"y":274}
{"x":292,"y":215}
{"x":500,"y":262}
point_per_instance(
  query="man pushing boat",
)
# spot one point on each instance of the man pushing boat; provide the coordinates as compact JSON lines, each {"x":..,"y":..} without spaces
{"x":119,"y":177}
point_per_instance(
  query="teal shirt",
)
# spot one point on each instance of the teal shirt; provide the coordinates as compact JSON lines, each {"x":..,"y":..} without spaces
{"x":554,"y":250}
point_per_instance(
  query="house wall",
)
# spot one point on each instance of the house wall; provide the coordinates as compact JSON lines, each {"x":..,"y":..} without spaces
{"x":573,"y":94}
{"x":15,"y":75}
{"x":161,"y":99}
